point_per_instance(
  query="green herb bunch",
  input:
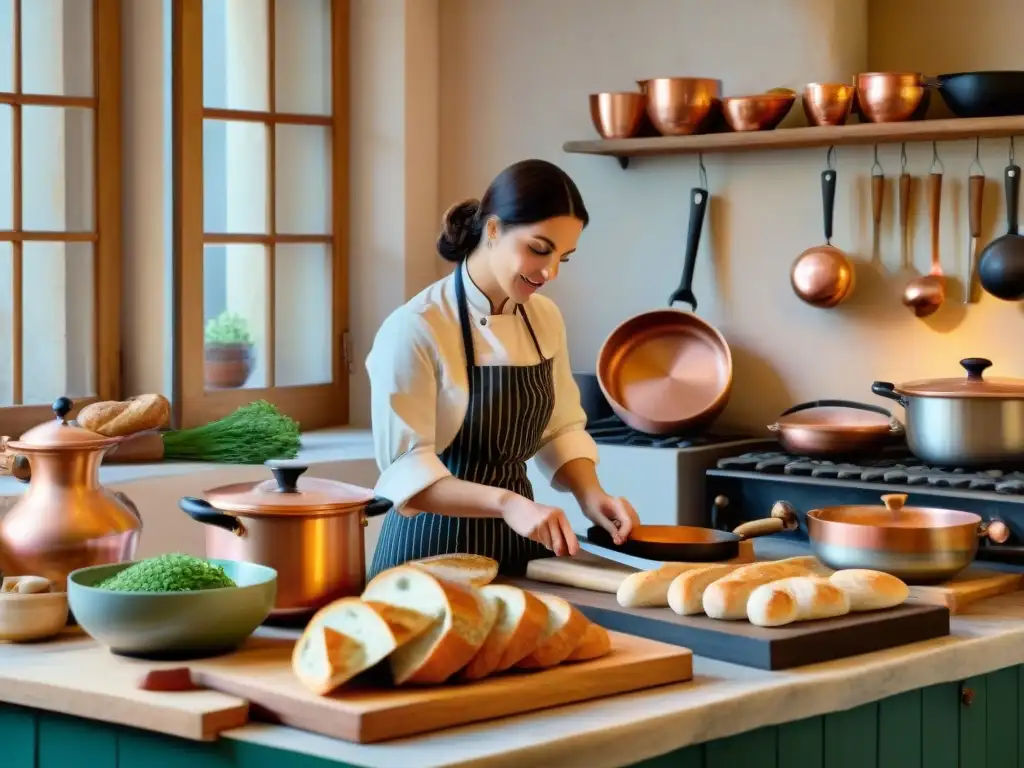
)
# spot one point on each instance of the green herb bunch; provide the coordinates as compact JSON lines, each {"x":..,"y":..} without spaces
{"x":168,"y":573}
{"x":227,"y":328}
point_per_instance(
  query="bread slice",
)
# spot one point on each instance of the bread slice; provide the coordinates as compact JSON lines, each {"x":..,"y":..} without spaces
{"x":562,"y":633}
{"x":476,"y":570}
{"x":464,"y":618}
{"x":522,"y":618}
{"x":870,"y":590}
{"x":348,"y":637}
{"x":596,"y":643}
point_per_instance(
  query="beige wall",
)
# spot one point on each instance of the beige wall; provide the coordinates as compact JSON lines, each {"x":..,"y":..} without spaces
{"x":514,"y":80}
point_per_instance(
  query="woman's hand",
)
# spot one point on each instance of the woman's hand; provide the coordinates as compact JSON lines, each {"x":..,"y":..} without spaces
{"x":613,"y":513}
{"x":541,"y":523}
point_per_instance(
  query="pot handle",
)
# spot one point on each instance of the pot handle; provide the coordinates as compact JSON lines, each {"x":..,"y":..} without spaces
{"x":887,"y":390}
{"x":203,"y":512}
{"x":378,"y":505}
{"x":894,"y":424}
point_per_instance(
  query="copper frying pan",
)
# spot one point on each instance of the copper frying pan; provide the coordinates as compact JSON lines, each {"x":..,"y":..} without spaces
{"x":667,"y":371}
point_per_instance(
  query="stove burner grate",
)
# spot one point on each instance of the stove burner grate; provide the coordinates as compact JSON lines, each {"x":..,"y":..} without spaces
{"x":896,"y":469}
{"x":611,"y":430}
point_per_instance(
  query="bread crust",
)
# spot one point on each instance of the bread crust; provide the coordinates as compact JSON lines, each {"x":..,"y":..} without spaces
{"x":112,"y":418}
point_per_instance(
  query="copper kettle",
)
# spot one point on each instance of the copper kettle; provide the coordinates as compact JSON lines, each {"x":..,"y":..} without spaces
{"x":66,"y":520}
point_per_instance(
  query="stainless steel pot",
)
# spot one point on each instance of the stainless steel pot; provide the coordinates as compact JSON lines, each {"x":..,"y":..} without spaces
{"x":962,"y":422}
{"x":309,"y":530}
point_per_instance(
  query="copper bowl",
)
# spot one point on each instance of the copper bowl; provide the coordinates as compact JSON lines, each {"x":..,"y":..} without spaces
{"x":762,"y":112}
{"x":617,"y":115}
{"x":890,"y":97}
{"x":681,"y":106}
{"x":828,"y":103}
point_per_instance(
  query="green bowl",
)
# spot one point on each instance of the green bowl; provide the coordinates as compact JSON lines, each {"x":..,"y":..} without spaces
{"x":173,"y":625}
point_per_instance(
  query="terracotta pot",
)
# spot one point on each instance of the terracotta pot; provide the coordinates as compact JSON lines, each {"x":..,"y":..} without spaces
{"x":227,"y":366}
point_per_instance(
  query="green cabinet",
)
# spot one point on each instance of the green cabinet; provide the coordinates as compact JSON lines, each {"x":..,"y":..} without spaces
{"x":973,"y":724}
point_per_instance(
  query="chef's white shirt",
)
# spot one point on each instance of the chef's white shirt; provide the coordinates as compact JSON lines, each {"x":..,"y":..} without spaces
{"x":420,"y":391}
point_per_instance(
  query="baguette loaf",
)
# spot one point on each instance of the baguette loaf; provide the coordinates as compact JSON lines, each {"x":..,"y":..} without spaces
{"x":126,"y":417}
{"x":562,"y":634}
{"x":799,"y":598}
{"x":870,"y":590}
{"x":727,"y":597}
{"x":686,"y":593}
{"x":476,"y":570}
{"x":464,"y":618}
{"x":348,"y":637}
{"x":649,"y":589}
{"x":594,"y":644}
{"x":522,"y":619}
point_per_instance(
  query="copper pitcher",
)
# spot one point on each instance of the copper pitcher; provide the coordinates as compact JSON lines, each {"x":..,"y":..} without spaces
{"x":66,"y":520}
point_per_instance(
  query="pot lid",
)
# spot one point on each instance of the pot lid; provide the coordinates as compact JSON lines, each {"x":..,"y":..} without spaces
{"x":974,"y":384}
{"x":288,"y":493}
{"x":60,"y":433}
{"x":836,"y":416}
{"x":895,"y":515}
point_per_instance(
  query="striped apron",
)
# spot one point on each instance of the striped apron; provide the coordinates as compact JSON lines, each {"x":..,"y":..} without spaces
{"x":509,"y":407}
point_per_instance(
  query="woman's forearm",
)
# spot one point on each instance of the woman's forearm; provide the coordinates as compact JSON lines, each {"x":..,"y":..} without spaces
{"x":460,"y":498}
{"x":579,"y":477}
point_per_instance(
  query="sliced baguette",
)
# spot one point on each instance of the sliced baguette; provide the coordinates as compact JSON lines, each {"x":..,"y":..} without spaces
{"x":649,"y":589}
{"x":727,"y":597}
{"x":522,"y":619}
{"x":595,"y":643}
{"x":562,"y":633}
{"x":348,"y":637}
{"x":686,"y":592}
{"x":464,"y":617}
{"x":870,"y":590}
{"x":476,"y":570}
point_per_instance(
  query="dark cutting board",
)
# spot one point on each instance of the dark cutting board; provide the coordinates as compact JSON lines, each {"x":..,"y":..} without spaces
{"x":740,"y":642}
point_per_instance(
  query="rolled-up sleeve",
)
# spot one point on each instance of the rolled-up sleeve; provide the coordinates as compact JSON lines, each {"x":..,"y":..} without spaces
{"x":565,"y":437}
{"x":403,"y":408}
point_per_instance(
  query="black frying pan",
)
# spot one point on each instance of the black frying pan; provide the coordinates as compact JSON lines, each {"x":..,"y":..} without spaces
{"x":684,"y":543}
{"x":1001,"y":263}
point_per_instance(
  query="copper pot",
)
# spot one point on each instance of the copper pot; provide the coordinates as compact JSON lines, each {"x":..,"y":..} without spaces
{"x":891,"y":97}
{"x":823,"y":276}
{"x":681,"y":106}
{"x":617,"y":115}
{"x":309,"y":530}
{"x":828,"y":103}
{"x":66,"y":520}
{"x":835,"y":428}
{"x":917,"y":544}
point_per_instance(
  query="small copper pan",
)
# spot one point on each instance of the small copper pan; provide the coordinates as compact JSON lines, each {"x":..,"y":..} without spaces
{"x":667,"y":371}
{"x":835,"y":428}
{"x":823,"y":276}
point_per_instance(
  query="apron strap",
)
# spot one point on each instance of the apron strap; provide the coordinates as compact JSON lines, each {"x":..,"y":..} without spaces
{"x":536,"y":344}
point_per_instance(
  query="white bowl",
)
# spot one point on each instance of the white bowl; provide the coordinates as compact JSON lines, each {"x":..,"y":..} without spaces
{"x":32,"y":617}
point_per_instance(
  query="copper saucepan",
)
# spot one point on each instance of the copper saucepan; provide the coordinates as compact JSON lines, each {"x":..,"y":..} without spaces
{"x":668,"y":371}
{"x":917,"y":544}
{"x":835,"y":428}
{"x":823,"y":276}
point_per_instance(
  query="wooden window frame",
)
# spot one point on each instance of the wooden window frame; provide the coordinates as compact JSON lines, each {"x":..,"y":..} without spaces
{"x":106,"y":234}
{"x":313,"y":406}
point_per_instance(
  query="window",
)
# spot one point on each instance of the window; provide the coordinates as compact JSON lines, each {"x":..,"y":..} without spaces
{"x":60,"y":205}
{"x":261,"y":204}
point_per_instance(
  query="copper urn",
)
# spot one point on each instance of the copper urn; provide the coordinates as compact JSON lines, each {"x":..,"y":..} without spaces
{"x":66,"y":520}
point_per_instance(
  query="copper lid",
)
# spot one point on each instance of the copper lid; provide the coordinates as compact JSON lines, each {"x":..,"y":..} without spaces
{"x":59,"y":433}
{"x":836,"y":416}
{"x":974,"y":384}
{"x":288,"y":493}
{"x":895,"y":515}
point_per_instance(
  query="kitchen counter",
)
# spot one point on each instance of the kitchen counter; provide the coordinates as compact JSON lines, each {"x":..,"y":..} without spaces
{"x":862,"y":706}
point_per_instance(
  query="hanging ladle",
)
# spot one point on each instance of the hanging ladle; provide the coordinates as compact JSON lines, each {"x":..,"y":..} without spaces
{"x":925,"y":294}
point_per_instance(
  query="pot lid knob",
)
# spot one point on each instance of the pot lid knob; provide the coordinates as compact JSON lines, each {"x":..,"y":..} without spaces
{"x":894,"y":501}
{"x":62,"y":407}
{"x":975,"y":366}
{"x":287,"y":474}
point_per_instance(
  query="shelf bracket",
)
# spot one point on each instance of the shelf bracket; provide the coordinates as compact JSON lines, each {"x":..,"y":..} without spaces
{"x":623,"y":162}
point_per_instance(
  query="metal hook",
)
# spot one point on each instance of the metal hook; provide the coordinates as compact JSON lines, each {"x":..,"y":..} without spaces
{"x":977,"y":160}
{"x":903,"y":158}
{"x":702,"y":171}
{"x":876,"y":169}
{"x":830,"y":158}
{"x":1011,"y":150}
{"x":936,"y":160}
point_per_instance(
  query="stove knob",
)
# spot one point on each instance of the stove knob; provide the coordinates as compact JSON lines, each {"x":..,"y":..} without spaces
{"x":997,"y":531}
{"x":787,"y":513}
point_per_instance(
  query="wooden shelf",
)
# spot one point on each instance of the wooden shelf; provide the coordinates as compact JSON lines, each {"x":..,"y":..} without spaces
{"x":797,"y":138}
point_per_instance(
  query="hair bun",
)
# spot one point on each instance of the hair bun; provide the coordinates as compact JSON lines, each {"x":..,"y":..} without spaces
{"x":460,"y":230}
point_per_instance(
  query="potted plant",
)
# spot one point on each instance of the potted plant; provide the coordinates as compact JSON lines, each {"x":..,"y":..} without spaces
{"x":227,"y":351}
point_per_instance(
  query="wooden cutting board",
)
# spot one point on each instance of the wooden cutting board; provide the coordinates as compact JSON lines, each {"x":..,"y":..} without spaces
{"x":262,"y":674}
{"x":772,"y":648}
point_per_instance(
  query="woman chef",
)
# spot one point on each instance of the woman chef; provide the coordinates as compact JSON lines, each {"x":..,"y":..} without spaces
{"x":471,"y":378}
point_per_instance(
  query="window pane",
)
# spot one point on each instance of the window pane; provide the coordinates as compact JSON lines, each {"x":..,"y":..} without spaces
{"x":235,"y":61}
{"x":58,"y":320}
{"x":57,"y":169}
{"x":56,"y":47}
{"x":6,"y":47}
{"x":234,"y":177}
{"x":303,"y":56}
{"x":6,"y":167}
{"x":235,"y":316}
{"x":303,"y":177}
{"x":302,"y":319}
{"x":6,"y":324}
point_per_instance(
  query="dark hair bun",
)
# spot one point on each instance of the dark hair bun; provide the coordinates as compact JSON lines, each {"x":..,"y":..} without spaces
{"x":461,"y":228}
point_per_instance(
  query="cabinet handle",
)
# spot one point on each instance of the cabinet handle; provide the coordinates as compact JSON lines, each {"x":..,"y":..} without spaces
{"x":966,"y":696}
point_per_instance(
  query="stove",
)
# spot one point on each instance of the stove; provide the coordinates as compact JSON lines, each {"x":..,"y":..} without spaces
{"x":663,"y":477}
{"x":746,"y":487}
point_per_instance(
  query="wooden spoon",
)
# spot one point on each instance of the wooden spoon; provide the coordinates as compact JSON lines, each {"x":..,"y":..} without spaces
{"x":924,"y":295}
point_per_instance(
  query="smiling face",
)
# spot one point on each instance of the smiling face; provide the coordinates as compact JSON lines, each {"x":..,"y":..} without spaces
{"x":522,"y":259}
